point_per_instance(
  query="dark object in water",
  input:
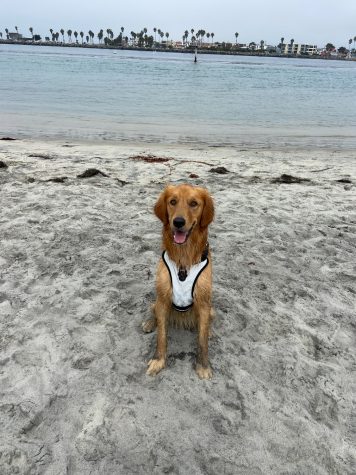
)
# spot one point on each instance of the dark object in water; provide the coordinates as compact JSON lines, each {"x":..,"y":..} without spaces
{"x":7,"y":138}
{"x":220,"y":170}
{"x":289,"y":179}
{"x":3,"y":164}
{"x":91,"y":172}
{"x":193,"y":175}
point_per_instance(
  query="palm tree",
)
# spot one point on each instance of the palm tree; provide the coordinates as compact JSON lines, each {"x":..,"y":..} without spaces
{"x":281,"y":44}
{"x":202,"y":33}
{"x":291,"y":45}
{"x":76,"y":36}
{"x":185,"y":36}
{"x":62,"y":33}
{"x":100,"y":35}
{"x":350,"y":43}
{"x":139,"y":37}
{"x":208,"y":36}
{"x":87,"y":38}
{"x":81,"y":35}
{"x":155,"y":31}
{"x":212,"y":37}
{"x":51,"y":31}
{"x":69,"y":33}
{"x":17,"y":30}
{"x":236,"y":36}
{"x":167,"y":36}
{"x":31,"y":31}
{"x":262,"y":43}
{"x":7,"y":33}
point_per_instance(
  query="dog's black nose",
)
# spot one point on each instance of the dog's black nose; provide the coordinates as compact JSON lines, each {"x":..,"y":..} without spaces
{"x":179,"y":222}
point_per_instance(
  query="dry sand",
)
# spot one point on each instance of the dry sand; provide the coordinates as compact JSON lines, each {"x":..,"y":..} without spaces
{"x":77,"y":263}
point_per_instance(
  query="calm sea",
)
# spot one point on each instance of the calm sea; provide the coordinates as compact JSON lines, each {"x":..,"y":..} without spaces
{"x":91,"y":94}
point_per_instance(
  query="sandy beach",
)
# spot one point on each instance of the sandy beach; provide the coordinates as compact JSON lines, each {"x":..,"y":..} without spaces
{"x":77,"y":265}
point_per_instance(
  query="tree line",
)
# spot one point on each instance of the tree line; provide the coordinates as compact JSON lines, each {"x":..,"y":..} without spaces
{"x":200,"y":38}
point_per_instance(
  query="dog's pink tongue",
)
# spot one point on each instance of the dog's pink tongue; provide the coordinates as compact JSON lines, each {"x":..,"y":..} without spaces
{"x":179,"y":237}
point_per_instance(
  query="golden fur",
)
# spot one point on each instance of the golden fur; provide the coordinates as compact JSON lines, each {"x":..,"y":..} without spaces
{"x":196,"y":207}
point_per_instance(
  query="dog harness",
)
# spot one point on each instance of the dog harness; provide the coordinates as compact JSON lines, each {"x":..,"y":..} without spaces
{"x":183,"y":282}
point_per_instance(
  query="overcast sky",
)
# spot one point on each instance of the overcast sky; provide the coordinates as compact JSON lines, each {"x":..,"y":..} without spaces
{"x":306,"y":21}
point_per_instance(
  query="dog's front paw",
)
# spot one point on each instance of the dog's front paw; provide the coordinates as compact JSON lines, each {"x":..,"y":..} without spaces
{"x":149,"y":325}
{"x":155,"y":366}
{"x":204,"y":373}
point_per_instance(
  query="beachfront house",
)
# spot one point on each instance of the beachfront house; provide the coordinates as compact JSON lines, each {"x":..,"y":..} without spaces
{"x":299,"y":49}
{"x":14,"y":36}
{"x":19,"y":37}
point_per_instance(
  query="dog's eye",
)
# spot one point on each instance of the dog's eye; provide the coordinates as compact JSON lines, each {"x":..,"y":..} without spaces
{"x":173,"y":202}
{"x":193,"y":204}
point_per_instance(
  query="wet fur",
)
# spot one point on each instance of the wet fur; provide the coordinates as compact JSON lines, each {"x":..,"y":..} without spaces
{"x":199,"y":317}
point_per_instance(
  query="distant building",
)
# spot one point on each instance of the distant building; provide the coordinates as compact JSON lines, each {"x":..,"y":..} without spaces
{"x":298,"y":49}
{"x":14,"y":36}
{"x":178,"y":44}
{"x":270,"y":48}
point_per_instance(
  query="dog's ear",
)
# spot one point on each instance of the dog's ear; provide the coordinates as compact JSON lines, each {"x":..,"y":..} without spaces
{"x":208,"y":211}
{"x":160,"y":208}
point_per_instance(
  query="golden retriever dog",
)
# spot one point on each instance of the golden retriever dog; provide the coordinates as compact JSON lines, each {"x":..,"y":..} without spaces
{"x":184,"y":273}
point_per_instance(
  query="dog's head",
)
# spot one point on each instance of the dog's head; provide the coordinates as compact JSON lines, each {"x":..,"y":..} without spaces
{"x":184,"y":208}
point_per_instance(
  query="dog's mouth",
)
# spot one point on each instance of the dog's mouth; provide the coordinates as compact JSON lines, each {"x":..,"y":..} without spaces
{"x":181,"y":237}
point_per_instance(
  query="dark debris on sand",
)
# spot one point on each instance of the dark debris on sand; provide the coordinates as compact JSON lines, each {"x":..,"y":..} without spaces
{"x":122,"y":182}
{"x":289,"y":179}
{"x":7,"y":138}
{"x":344,"y":180}
{"x":58,"y":179}
{"x":45,"y":156}
{"x":150,"y":159}
{"x":92,"y":172}
{"x":219,"y":170}
{"x":3,"y":164}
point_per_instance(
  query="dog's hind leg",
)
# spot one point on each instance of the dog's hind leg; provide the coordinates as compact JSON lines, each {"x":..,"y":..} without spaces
{"x":150,"y":325}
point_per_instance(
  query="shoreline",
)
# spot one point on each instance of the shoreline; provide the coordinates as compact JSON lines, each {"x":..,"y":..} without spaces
{"x":273,"y":142}
{"x":190,"y":50}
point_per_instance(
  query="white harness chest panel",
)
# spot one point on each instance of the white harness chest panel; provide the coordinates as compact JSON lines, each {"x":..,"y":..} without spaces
{"x":183,"y":291}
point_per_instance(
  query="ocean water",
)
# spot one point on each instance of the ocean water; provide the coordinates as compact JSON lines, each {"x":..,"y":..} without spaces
{"x":92,"y":94}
